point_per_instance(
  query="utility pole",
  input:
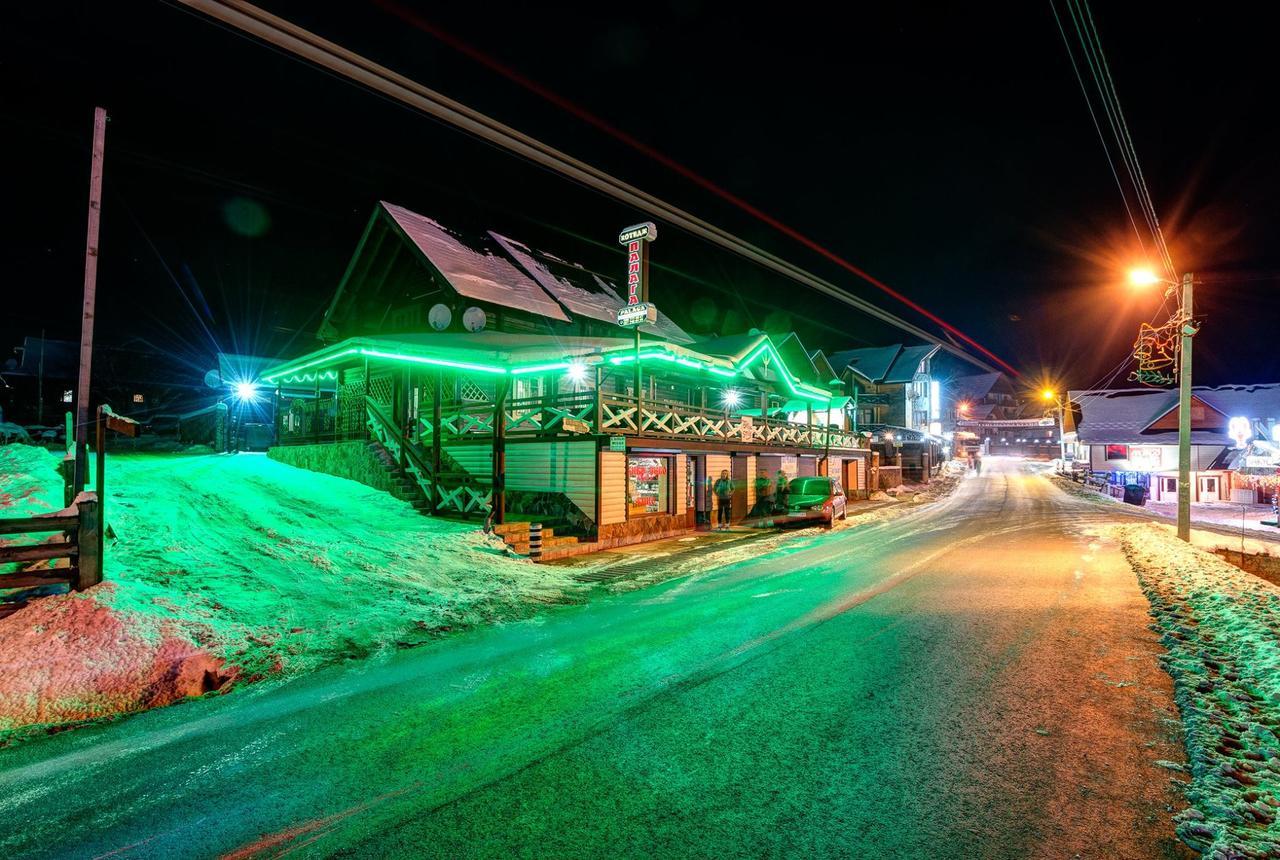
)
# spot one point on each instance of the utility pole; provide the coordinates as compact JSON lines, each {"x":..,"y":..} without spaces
{"x":90,"y":290}
{"x":40,"y":384}
{"x":1184,"y":412}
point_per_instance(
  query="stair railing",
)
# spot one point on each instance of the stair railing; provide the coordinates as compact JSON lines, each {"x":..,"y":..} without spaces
{"x":416,"y":465}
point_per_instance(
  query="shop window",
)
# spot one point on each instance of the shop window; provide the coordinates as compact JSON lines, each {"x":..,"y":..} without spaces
{"x":1117,"y":452}
{"x":649,"y":485}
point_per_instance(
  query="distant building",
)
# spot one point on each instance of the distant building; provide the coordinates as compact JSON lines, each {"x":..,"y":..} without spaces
{"x":988,"y":413}
{"x":892,"y":386}
{"x":1130,"y":436}
{"x":38,"y":382}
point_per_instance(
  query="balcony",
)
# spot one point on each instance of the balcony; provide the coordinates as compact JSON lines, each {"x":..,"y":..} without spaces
{"x":579,"y":413}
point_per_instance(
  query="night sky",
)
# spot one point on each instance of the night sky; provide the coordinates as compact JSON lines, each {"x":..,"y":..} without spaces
{"x":948,"y":151}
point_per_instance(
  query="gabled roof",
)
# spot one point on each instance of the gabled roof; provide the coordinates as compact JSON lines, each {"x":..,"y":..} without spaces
{"x":827,"y":373}
{"x":871,"y":363}
{"x":581,"y":292}
{"x":880,"y":364}
{"x":1127,"y":415}
{"x":475,"y":267}
{"x":797,"y":359}
{"x":908,"y":362}
{"x":974,"y":387}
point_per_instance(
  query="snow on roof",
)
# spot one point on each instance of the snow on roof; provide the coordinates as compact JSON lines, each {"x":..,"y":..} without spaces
{"x":896,"y":363}
{"x":582,"y":292}
{"x":871,"y":363}
{"x":825,"y":370}
{"x":729,"y":345}
{"x":974,"y":387}
{"x":797,"y":359}
{"x":908,"y":362}
{"x":476,"y":268}
{"x":1123,"y":415}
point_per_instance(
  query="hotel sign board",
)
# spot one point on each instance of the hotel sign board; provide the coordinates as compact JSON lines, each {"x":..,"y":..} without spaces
{"x":636,"y":239}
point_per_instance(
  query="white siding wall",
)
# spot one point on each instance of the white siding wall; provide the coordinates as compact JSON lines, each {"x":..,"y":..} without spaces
{"x":476,"y":460}
{"x":682,"y":498}
{"x":555,"y":467}
{"x":613,"y":487}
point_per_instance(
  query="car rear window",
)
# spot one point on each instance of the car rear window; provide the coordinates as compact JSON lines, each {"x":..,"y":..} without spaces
{"x":810,"y":486}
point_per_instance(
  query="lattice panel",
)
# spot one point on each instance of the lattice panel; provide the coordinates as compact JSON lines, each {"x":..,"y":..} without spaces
{"x":351,"y":412}
{"x":382,"y":389}
{"x":470,"y":391}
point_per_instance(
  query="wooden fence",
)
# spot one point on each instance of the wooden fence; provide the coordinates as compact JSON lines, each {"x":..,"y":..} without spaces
{"x":81,"y":544}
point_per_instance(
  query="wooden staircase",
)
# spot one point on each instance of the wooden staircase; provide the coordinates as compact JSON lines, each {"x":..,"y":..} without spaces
{"x":403,"y":486}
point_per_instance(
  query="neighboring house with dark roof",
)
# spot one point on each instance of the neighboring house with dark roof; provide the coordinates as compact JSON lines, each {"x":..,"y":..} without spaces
{"x":891,"y":385}
{"x":1131,"y":435}
{"x":411,"y":274}
{"x":985,"y":396}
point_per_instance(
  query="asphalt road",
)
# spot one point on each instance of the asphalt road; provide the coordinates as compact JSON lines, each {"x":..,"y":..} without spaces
{"x":972,"y":679}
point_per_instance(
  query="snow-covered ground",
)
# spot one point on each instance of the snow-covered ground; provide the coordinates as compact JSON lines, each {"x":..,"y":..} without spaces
{"x":1224,"y":514}
{"x":1221,"y":628}
{"x":240,"y":567}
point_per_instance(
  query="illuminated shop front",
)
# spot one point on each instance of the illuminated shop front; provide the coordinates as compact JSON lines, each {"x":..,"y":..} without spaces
{"x":507,"y":390}
{"x":1130,"y":436}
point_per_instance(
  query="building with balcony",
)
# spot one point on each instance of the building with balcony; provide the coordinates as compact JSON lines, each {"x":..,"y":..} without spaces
{"x":492,"y":380}
{"x":891,"y":385}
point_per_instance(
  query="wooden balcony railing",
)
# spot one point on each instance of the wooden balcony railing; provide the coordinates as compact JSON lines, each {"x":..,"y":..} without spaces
{"x":582,"y":412}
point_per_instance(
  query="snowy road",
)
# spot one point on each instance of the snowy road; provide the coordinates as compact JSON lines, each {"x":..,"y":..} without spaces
{"x":973,"y":679}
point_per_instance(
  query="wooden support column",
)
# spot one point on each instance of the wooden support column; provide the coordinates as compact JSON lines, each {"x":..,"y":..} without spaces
{"x":435,"y":438}
{"x":599,"y":422}
{"x":499,"y":451}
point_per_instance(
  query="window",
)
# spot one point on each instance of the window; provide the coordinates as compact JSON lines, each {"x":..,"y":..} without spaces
{"x":1117,"y":452}
{"x":649,"y":485}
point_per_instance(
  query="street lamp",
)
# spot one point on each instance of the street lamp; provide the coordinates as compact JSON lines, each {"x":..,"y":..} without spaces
{"x":1143,"y":277}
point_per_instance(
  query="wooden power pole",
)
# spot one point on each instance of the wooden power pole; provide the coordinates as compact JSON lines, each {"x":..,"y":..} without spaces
{"x":90,"y":290}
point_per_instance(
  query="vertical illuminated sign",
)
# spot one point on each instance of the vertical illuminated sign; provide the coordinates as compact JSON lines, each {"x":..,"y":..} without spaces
{"x":636,"y":239}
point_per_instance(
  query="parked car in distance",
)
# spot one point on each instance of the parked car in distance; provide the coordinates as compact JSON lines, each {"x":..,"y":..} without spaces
{"x":816,"y":498}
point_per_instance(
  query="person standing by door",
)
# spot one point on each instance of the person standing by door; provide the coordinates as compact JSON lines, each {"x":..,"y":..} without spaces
{"x":723,"y":490}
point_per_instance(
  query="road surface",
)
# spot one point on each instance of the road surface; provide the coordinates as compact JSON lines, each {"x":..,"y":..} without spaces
{"x":972,"y":679}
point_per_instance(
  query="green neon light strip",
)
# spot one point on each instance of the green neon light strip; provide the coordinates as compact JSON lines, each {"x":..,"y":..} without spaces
{"x":796,"y":387}
{"x":272,"y":377}
{"x":311,"y":377}
{"x":417,"y":359}
{"x":540,"y":368}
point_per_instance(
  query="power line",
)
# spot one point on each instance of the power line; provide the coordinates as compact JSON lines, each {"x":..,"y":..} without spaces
{"x":1106,"y":150}
{"x":275,"y":31}
{"x":1100,"y":72}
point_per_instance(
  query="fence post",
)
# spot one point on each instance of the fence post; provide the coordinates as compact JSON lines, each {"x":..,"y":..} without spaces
{"x":88,"y":542}
{"x":535,"y":540}
{"x":68,"y":469}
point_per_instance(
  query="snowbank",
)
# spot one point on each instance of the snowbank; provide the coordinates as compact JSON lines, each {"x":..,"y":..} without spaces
{"x":258,"y":567}
{"x":1221,"y":628}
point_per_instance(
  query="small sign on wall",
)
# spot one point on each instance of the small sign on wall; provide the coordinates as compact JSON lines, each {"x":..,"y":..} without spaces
{"x":618,"y":443}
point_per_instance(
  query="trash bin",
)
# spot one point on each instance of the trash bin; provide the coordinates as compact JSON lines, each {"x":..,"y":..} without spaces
{"x":1134,"y":494}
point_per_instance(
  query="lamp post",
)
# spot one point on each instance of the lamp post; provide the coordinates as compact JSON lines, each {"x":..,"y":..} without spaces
{"x":1187,"y":330}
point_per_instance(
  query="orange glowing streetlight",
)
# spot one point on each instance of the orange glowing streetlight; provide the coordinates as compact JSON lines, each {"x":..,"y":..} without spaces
{"x":1144,"y":277}
{"x":1048,"y":394}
